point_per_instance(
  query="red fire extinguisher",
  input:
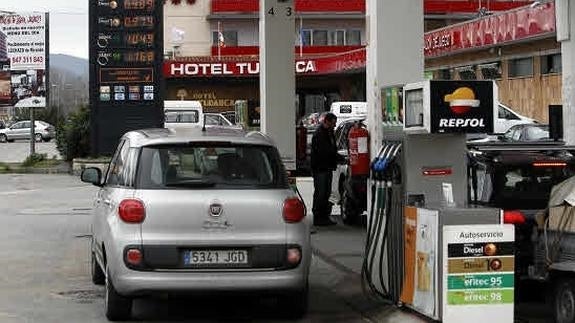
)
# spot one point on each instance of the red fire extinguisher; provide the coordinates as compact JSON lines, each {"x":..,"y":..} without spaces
{"x":358,"y":139}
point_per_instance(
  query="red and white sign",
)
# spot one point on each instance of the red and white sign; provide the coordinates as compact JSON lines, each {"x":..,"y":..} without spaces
{"x":25,"y":40}
{"x":214,"y":68}
{"x":521,"y":24}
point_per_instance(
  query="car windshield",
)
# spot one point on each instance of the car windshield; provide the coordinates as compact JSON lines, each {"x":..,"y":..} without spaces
{"x":525,"y":187}
{"x":181,"y":116}
{"x":210,"y":166}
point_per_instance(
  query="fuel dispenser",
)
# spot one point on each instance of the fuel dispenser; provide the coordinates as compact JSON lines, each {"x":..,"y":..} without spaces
{"x":426,"y":249}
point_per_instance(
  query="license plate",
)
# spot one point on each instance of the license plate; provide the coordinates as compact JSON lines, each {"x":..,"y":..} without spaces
{"x":216,"y":257}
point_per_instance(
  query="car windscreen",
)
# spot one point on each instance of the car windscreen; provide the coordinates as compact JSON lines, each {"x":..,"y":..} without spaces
{"x":210,"y":166}
{"x":173,"y":116}
{"x":520,"y":187}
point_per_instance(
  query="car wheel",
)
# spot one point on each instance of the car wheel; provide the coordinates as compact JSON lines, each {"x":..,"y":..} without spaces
{"x":38,"y":137}
{"x":295,"y":304}
{"x":349,"y":213}
{"x":118,"y":307}
{"x":98,"y":276}
{"x":564,"y":301}
{"x":3,"y":138}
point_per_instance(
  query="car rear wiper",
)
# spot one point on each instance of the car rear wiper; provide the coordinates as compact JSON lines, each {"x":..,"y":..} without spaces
{"x":191,"y":183}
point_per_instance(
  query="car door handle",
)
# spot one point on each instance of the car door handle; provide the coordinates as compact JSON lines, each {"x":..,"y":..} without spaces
{"x":107,"y":202}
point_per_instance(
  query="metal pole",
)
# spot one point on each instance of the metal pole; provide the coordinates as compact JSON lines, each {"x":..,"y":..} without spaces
{"x":32,"y":133}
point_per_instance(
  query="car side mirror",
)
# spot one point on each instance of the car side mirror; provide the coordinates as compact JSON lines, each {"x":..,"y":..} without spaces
{"x":92,"y":175}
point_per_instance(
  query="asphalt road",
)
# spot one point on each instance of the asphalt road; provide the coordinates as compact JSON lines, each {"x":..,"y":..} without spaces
{"x":16,"y":152}
{"x":44,"y":277}
{"x":44,"y":272}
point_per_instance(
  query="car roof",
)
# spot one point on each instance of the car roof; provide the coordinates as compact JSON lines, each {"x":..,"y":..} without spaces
{"x":162,"y":136}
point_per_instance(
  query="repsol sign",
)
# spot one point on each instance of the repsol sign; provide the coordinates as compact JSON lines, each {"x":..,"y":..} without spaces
{"x":462,"y":106}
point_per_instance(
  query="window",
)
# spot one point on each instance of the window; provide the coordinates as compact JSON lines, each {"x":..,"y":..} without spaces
{"x":506,"y":114}
{"x":444,"y":74}
{"x":551,"y":64}
{"x":521,"y":67}
{"x":536,"y":133}
{"x":491,"y":71}
{"x":230,"y":38}
{"x":353,"y":37}
{"x":205,"y":165}
{"x":306,"y":37}
{"x":337,"y":38}
{"x":319,"y":37}
{"x":121,"y":169}
{"x":467,"y":72}
{"x":172,"y":116}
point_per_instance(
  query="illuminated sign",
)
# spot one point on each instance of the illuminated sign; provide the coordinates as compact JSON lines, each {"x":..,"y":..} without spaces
{"x":126,"y":48}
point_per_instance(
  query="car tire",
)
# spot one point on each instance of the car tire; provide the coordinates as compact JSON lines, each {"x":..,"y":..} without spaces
{"x":349,"y":213}
{"x":294,"y":305}
{"x":118,"y":307}
{"x":564,"y":300}
{"x":98,"y":276}
{"x":3,"y":138}
{"x":38,"y":137}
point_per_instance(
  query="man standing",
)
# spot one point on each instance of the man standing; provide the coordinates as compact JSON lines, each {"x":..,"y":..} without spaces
{"x":323,"y":163}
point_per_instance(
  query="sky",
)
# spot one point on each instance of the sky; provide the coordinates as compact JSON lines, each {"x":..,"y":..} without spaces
{"x":68,"y":23}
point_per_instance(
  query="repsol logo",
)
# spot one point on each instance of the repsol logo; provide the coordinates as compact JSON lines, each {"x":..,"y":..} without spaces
{"x":461,"y":123}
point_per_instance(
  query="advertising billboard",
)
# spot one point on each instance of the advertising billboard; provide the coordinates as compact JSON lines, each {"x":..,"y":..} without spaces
{"x":23,"y":45}
{"x":126,"y":48}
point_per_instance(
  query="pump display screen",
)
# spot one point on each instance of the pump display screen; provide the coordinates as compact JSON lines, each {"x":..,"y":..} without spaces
{"x":414,"y":108}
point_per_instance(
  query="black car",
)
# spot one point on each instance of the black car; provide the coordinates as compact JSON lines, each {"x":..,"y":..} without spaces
{"x":518,"y":179}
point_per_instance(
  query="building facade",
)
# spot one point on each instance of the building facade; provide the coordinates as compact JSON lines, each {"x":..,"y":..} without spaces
{"x":213,"y":47}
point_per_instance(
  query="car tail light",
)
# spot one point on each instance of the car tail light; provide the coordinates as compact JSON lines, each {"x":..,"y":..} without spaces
{"x":549,"y":164}
{"x":132,"y":211}
{"x":293,"y":210}
{"x":293,"y":256}
{"x":134,"y":257}
{"x":513,"y":217}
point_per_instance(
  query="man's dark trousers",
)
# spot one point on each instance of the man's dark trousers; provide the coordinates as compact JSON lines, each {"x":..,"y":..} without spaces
{"x":322,"y":190}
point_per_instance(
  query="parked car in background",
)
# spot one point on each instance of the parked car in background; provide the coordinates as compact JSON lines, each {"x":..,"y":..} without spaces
{"x":526,"y":133}
{"x":183,"y":114}
{"x":230,"y":115}
{"x":43,"y":131}
{"x":192,"y":211}
{"x":508,"y":118}
{"x":216,"y":119}
{"x":349,"y":110}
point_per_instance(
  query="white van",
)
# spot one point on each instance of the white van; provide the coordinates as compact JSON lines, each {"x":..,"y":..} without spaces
{"x":349,"y":110}
{"x":183,"y":114}
{"x":507,"y":118}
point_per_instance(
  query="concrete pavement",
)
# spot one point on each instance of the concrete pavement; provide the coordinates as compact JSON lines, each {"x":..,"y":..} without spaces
{"x":16,"y":152}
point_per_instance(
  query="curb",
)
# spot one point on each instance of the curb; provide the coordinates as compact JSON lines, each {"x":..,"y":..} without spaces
{"x":63,"y":168}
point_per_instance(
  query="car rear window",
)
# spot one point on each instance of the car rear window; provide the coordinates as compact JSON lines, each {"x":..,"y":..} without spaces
{"x":209,"y":165}
{"x":526,"y":187}
{"x":181,"y":116}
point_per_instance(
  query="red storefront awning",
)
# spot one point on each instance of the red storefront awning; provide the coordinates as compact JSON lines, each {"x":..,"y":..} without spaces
{"x":522,"y":24}
{"x":430,"y":6}
{"x":238,"y":66}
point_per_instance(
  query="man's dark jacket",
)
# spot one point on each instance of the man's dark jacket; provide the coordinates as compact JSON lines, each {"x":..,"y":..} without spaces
{"x":323,"y":150}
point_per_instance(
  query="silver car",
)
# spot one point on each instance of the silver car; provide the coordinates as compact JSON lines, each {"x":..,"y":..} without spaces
{"x":21,"y":130}
{"x":199,"y":211}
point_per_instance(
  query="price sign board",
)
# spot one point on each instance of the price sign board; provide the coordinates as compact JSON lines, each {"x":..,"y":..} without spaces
{"x":126,"y":50}
{"x":478,"y":273}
